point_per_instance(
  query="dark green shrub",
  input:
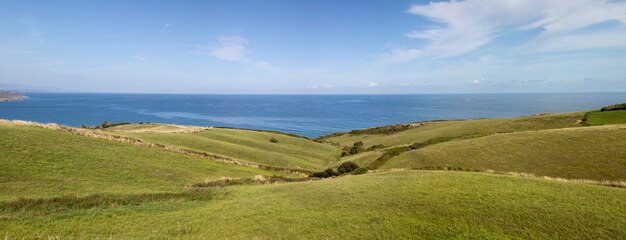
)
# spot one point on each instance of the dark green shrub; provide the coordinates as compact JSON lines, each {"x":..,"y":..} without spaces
{"x":105,"y":124}
{"x":359,"y":171}
{"x":357,"y":147}
{"x":621,"y":106}
{"x":347,"y":167}
{"x":329,"y":172}
{"x":274,"y":140}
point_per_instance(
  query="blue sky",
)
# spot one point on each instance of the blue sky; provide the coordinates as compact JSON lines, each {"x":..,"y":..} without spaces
{"x":310,"y":47}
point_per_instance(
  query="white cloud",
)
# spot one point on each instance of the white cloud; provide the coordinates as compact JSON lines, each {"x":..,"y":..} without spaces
{"x":465,"y":26}
{"x":229,"y":48}
{"x":476,"y":82}
{"x":399,"y":56}
{"x":372,"y":84}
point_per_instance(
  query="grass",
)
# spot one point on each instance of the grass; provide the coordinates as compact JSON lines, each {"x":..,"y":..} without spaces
{"x":606,"y":117}
{"x":453,"y":129}
{"x":392,"y":205}
{"x":595,"y":153}
{"x":38,"y":162}
{"x":246,"y":145}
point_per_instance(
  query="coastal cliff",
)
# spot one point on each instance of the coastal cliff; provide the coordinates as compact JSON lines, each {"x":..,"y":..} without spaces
{"x":10,"y":96}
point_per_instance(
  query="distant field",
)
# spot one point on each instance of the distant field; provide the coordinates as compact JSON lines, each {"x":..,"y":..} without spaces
{"x":37,"y":162}
{"x":393,"y":205}
{"x":606,"y":117}
{"x":579,"y":153}
{"x":247,"y":145}
{"x":479,"y":127}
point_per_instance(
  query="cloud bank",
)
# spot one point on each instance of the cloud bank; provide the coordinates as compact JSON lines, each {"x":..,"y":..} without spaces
{"x":462,"y":27}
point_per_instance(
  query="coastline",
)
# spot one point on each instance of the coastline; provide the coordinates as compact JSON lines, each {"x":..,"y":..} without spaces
{"x":11,"y":97}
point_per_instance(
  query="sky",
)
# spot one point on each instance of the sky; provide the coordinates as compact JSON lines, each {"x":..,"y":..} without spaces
{"x":313,"y":47}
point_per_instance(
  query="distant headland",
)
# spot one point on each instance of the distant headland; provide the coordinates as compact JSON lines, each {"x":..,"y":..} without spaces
{"x":11,"y":96}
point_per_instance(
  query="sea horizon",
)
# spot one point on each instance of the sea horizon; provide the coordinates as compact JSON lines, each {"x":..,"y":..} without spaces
{"x":309,"y":115}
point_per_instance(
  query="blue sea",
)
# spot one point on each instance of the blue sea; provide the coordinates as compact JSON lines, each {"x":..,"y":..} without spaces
{"x":307,"y":115}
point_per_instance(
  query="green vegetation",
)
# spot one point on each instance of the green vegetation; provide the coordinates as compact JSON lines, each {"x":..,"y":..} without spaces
{"x":393,"y":205}
{"x":606,"y":117}
{"x":595,"y":153}
{"x":159,"y":181}
{"x":251,"y":146}
{"x":453,"y":129}
{"x":38,"y":162}
{"x":621,"y":106}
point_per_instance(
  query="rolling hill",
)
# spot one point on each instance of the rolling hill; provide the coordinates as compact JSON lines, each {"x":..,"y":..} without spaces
{"x":287,"y":151}
{"x":40,"y":162}
{"x":595,"y":153}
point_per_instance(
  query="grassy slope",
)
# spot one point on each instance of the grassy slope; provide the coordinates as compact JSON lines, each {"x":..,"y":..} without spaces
{"x":606,"y":117}
{"x":246,"y":145}
{"x":393,"y":205}
{"x":580,"y":153}
{"x":463,"y":128}
{"x":42,"y":162}
{"x":363,"y":159}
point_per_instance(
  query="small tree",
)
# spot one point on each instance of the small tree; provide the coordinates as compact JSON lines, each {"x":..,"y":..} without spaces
{"x":105,"y":124}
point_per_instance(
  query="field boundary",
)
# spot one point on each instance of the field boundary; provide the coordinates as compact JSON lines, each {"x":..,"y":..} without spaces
{"x":607,"y":183}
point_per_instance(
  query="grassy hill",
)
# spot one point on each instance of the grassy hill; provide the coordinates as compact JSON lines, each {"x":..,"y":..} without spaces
{"x":38,"y":162}
{"x":596,"y":153}
{"x":248,"y":145}
{"x":596,"y":118}
{"x":428,"y":130}
{"x":392,"y":205}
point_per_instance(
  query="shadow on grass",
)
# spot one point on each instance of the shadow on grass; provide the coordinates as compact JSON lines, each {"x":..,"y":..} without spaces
{"x":42,"y":206}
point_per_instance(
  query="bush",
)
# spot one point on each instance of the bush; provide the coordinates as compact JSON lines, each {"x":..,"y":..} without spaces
{"x":357,"y":147}
{"x":621,"y":106}
{"x":105,"y":124}
{"x":359,"y":171}
{"x":274,"y":140}
{"x":329,"y":172}
{"x":347,"y":167}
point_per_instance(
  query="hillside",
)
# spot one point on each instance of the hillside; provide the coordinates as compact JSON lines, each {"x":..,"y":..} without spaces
{"x":38,"y":162}
{"x":10,"y":96}
{"x":424,"y":131}
{"x":595,"y":153}
{"x":393,"y":205}
{"x":248,"y":145}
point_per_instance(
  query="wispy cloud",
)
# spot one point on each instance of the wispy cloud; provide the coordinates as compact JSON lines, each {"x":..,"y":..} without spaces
{"x":462,"y":27}
{"x":229,"y":48}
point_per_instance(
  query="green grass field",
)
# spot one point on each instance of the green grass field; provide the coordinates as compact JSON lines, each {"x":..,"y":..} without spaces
{"x":468,"y":128}
{"x":393,"y":205}
{"x":596,"y":153}
{"x":37,"y":162}
{"x":61,"y":185}
{"x":606,"y":117}
{"x":246,"y":145}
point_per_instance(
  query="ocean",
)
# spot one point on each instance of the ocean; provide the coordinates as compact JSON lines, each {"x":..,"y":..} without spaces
{"x":307,"y":115}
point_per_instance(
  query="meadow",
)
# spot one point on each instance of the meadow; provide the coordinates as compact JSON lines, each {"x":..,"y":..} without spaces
{"x":547,"y":176}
